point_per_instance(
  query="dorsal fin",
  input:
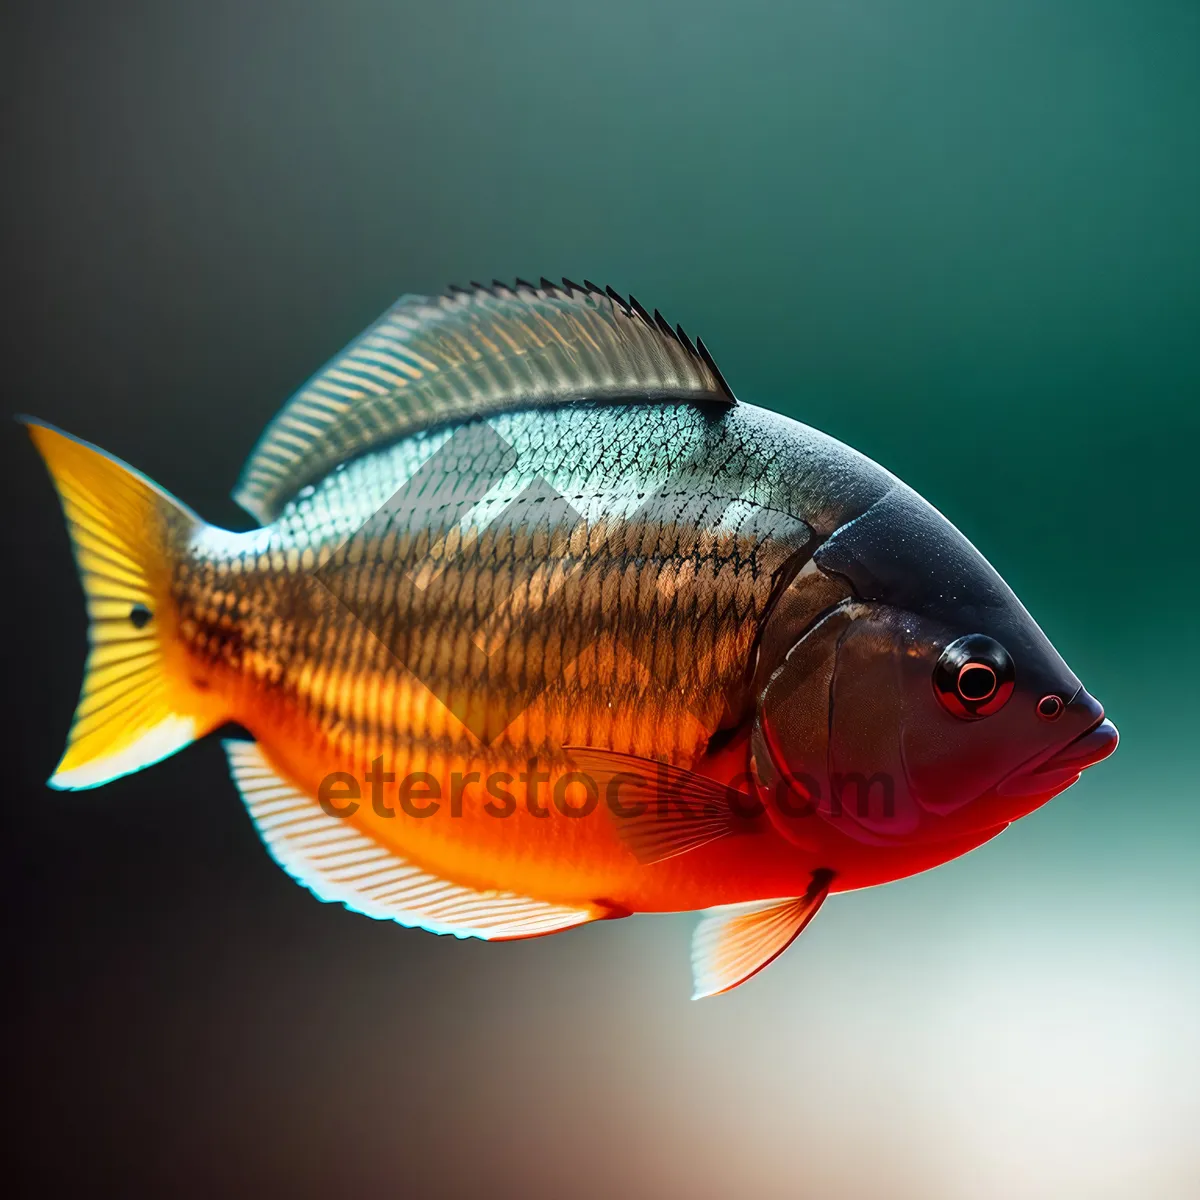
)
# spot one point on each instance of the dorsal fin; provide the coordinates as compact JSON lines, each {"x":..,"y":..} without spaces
{"x":431,"y":360}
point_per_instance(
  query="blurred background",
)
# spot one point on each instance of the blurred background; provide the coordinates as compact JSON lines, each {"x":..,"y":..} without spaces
{"x":962,"y":236}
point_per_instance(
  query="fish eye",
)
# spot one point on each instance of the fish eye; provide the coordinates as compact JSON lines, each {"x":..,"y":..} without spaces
{"x":974,"y":677}
{"x":1050,"y":707}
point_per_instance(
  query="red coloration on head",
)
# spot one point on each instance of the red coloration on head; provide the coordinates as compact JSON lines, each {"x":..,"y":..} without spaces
{"x":928,"y":708}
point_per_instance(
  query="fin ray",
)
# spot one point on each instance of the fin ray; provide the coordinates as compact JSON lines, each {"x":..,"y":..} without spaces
{"x":663,"y":810}
{"x":733,"y":943}
{"x":123,"y":527}
{"x":340,"y":863}
{"x":431,"y":360}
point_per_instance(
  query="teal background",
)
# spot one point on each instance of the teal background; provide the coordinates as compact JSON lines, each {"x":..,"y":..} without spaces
{"x":961,"y":236}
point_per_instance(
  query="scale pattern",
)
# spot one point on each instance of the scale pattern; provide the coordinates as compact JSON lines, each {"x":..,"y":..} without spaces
{"x":588,"y":575}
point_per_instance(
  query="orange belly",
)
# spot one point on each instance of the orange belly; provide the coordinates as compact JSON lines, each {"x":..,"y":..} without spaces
{"x":481,"y":817}
{"x":488,"y":818}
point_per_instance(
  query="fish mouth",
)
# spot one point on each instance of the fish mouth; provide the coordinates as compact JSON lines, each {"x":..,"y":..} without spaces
{"x":1089,"y":748}
{"x":1062,"y":767}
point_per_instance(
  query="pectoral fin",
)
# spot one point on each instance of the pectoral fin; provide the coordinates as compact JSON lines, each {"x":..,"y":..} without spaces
{"x":337,"y":861}
{"x":732,"y":943}
{"x":663,"y":811}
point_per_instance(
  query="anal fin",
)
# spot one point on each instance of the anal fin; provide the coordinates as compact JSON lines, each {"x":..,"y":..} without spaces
{"x":732,"y":943}
{"x":338,"y":862}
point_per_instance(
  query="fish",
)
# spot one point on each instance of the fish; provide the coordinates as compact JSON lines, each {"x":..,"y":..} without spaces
{"x":540,"y":625}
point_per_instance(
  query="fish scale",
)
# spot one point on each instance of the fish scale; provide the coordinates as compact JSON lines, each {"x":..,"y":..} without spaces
{"x":665,"y":610}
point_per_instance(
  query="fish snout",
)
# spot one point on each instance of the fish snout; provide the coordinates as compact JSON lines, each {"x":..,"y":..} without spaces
{"x":1061,"y":767}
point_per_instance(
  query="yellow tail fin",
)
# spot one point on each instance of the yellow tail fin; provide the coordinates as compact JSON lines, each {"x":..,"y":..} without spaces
{"x":134,"y":708}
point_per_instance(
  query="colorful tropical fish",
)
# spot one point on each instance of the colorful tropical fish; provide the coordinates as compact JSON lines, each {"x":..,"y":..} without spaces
{"x":542,"y":627}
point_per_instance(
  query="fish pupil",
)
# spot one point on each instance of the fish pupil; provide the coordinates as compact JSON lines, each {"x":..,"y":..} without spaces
{"x":976,"y":681}
{"x":139,"y":616}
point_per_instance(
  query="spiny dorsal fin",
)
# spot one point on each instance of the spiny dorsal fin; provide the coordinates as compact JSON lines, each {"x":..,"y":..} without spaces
{"x":479,"y":350}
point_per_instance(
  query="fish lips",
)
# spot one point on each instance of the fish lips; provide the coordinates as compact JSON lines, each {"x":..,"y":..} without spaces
{"x":1062,"y":767}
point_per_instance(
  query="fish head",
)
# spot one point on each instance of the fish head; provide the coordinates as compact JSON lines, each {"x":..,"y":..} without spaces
{"x":927,"y":704}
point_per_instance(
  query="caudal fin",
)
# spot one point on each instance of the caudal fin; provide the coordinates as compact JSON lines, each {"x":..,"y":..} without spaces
{"x":134,"y":709}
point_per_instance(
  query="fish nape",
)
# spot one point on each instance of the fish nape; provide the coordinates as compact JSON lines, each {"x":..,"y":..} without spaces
{"x":576,"y":634}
